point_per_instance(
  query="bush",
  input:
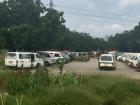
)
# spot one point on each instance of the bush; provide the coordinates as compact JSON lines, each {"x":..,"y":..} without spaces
{"x":41,"y":88}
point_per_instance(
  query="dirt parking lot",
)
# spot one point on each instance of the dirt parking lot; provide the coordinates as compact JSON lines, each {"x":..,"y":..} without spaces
{"x":91,"y":67}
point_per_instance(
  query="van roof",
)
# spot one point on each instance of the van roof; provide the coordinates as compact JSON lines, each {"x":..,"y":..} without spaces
{"x":106,"y":55}
{"x":21,"y":52}
{"x":50,"y":51}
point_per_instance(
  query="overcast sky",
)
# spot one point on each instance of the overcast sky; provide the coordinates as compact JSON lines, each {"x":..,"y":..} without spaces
{"x":99,"y":17}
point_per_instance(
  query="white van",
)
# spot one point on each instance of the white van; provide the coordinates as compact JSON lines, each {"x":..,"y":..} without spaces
{"x":56,"y":54}
{"x":23,"y":59}
{"x":134,"y":61}
{"x":107,"y":61}
{"x":48,"y":59}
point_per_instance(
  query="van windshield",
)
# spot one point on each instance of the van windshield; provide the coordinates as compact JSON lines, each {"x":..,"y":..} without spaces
{"x":11,"y":56}
{"x":106,"y":58}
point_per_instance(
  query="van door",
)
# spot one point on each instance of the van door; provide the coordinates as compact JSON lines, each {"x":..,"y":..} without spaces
{"x":26,"y":60}
{"x":32,"y":60}
{"x":20,"y":61}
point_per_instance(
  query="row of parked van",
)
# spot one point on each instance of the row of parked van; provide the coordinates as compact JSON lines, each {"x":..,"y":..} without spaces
{"x":42,"y":58}
{"x":131,"y":59}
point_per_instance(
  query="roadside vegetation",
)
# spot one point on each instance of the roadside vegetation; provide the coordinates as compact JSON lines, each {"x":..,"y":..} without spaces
{"x":40,"y":87}
{"x":43,"y":88}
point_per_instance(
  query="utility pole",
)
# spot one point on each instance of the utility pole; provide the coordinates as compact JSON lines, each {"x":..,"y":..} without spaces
{"x":51,"y":4}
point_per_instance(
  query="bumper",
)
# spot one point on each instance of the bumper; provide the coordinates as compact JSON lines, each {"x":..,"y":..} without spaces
{"x":102,"y":65}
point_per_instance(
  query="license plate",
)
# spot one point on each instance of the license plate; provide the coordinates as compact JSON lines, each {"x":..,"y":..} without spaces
{"x":102,"y":64}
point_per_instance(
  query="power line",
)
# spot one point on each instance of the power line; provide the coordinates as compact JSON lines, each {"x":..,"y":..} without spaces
{"x":100,"y":16}
{"x":91,"y":17}
{"x":51,"y":4}
{"x":132,"y":18}
{"x":86,"y":15}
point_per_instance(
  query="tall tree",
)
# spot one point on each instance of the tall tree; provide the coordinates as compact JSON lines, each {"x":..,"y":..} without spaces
{"x":52,"y":28}
{"x":17,"y":12}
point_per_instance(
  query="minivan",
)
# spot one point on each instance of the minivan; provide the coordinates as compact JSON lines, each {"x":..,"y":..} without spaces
{"x":23,"y":59}
{"x":82,"y":56}
{"x":48,"y":59}
{"x":107,"y":61}
{"x":56,"y":54}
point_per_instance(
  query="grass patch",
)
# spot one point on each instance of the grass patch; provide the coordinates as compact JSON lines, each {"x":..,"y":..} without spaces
{"x":42,"y":88}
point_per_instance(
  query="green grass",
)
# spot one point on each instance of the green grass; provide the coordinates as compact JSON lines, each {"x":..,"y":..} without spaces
{"x":69,"y":89}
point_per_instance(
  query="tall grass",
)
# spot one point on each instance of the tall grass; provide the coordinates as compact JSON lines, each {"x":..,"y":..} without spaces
{"x":42,"y":88}
{"x":2,"y":61}
{"x":25,"y":82}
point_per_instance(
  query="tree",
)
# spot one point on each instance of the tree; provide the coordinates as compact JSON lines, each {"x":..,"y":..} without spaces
{"x":52,"y":28}
{"x":17,"y":12}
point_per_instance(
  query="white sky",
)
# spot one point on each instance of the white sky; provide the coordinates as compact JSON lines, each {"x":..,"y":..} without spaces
{"x":99,"y":17}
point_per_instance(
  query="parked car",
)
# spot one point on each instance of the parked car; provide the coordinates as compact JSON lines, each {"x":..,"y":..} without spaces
{"x":23,"y":59}
{"x":56,"y":54}
{"x":48,"y":59}
{"x":130,"y":61}
{"x":107,"y":61}
{"x":135,"y":60}
{"x":82,"y":56}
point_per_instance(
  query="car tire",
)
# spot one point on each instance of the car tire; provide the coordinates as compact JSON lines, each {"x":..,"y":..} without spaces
{"x":38,"y":66}
{"x":46,"y":63}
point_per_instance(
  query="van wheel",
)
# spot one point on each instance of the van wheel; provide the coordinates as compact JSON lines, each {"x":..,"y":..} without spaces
{"x":46,"y":63}
{"x":37,"y":66}
{"x":21,"y":66}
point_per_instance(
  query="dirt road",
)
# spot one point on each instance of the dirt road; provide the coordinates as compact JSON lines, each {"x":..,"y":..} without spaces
{"x":91,"y":67}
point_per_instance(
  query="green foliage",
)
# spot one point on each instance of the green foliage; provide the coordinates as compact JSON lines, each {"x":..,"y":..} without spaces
{"x":27,"y":25}
{"x":126,"y":41}
{"x":17,"y":12}
{"x":61,"y":63}
{"x":68,"y":89}
{"x":64,"y":80}
{"x":24,"y":82}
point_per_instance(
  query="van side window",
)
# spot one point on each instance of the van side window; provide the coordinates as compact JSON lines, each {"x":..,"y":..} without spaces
{"x":38,"y":55}
{"x":20,"y":56}
{"x":56,"y":55}
{"x":11,"y":56}
{"x":25,"y":56}
{"x":29,"y":56}
{"x":32,"y":57}
{"x":136,"y":58}
{"x":76,"y":54}
{"x":84,"y":54}
{"x":47,"y":55}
